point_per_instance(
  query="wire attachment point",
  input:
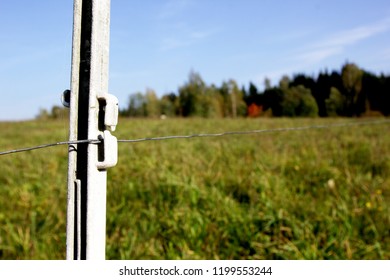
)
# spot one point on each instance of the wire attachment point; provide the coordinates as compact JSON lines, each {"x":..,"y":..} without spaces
{"x":108,"y":151}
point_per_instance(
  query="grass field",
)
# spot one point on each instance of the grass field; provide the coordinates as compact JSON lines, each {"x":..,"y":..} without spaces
{"x":313,"y":194}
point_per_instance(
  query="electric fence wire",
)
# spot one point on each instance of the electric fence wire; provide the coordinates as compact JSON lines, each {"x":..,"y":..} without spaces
{"x":284,"y":129}
{"x":43,"y":146}
{"x":199,"y":135}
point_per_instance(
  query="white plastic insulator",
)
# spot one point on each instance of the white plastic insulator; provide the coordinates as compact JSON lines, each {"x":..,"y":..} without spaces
{"x":110,"y":146}
{"x":111,"y":112}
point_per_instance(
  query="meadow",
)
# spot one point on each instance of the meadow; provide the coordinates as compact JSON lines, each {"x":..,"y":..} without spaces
{"x":312,"y":194}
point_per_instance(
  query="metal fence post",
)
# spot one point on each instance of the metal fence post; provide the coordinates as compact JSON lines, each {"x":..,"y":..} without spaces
{"x":93,"y":112}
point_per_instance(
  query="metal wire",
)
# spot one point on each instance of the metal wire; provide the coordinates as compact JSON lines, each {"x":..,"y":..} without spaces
{"x":199,"y":135}
{"x":92,"y":141}
{"x":253,"y":131}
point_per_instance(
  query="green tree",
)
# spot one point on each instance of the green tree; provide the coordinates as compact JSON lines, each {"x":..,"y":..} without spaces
{"x":335,"y":103}
{"x":272,"y":101}
{"x":225,"y":99}
{"x":169,"y":105}
{"x":43,"y":114}
{"x":152,"y":104}
{"x":267,"y":83}
{"x":190,"y":94}
{"x":56,"y":112}
{"x":233,"y":98}
{"x":198,"y":99}
{"x":253,"y":92}
{"x":284,"y":82}
{"x":298,"y":101}
{"x":211,"y":102}
{"x":351,"y":76}
{"x":238,"y":104}
{"x":136,"y":107}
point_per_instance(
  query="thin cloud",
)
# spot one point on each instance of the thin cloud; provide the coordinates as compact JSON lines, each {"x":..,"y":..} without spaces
{"x":317,"y":52}
{"x":318,"y":55}
{"x":176,"y":32}
{"x":174,"y":7}
{"x":338,"y":42}
{"x":198,"y":35}
{"x":354,"y":35}
{"x":170,"y":43}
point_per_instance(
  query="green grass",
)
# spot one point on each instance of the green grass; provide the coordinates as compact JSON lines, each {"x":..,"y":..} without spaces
{"x":313,"y":194}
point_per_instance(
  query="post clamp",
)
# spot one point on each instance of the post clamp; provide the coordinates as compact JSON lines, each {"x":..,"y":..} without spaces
{"x":111,"y":110}
{"x":108,"y":151}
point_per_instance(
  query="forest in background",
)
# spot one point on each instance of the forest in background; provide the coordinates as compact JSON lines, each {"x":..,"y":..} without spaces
{"x":350,"y":92}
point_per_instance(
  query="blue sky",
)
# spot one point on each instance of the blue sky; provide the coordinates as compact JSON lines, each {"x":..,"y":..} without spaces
{"x":156,"y":43}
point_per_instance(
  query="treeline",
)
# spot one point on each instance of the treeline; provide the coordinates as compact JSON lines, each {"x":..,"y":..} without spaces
{"x":349,"y":92}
